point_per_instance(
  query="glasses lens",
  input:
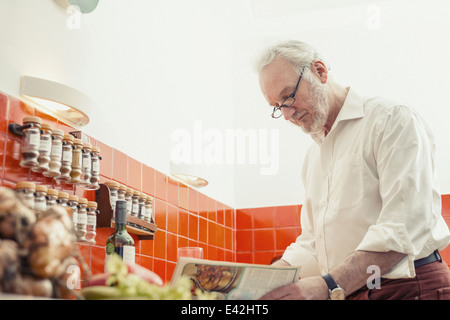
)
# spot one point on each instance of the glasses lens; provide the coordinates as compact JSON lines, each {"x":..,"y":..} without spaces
{"x":288,"y":102}
{"x":277,"y":113}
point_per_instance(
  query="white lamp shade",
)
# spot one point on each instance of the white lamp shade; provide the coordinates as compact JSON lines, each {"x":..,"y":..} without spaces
{"x":190,"y":174}
{"x":66,"y":103}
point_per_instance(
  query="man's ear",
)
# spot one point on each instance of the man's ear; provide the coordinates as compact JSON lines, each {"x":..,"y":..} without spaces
{"x":320,"y":70}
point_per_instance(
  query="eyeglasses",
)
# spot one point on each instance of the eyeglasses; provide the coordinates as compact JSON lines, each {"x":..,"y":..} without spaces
{"x":289,"y":101}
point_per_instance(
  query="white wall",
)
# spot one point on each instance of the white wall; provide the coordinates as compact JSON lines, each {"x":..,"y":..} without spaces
{"x":405,"y":58}
{"x":154,"y":67}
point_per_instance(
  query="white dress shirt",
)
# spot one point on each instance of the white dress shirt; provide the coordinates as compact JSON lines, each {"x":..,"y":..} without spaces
{"x":370,"y":185}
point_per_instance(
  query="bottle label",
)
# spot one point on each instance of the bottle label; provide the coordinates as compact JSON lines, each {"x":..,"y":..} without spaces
{"x":127,"y":253}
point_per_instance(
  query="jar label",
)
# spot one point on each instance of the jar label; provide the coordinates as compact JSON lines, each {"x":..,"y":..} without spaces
{"x":82,"y":218}
{"x":91,"y":220}
{"x":86,"y":163}
{"x":34,"y":139}
{"x":45,"y":145}
{"x":74,"y":216}
{"x":96,"y":166}
{"x":67,"y":155}
{"x":56,"y":150}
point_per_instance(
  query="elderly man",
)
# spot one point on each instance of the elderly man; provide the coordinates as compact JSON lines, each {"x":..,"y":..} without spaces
{"x":372,"y":204}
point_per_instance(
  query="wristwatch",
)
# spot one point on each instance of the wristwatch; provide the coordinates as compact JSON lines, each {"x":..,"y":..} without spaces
{"x":335,"y":292}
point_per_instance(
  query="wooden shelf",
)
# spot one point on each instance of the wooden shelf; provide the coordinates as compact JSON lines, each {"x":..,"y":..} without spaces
{"x":143,"y":229}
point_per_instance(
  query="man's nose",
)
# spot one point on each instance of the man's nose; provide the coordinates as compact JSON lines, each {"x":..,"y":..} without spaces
{"x":287,"y":112}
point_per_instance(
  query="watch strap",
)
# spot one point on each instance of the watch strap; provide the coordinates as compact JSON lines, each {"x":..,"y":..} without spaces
{"x":330,"y":281}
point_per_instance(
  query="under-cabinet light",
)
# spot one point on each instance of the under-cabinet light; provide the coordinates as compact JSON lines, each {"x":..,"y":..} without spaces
{"x":189,"y":174}
{"x":65,"y":103}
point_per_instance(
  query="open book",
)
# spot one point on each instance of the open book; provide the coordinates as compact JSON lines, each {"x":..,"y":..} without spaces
{"x":234,"y":281}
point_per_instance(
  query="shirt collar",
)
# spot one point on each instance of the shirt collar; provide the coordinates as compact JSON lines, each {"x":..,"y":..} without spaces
{"x":352,"y":108}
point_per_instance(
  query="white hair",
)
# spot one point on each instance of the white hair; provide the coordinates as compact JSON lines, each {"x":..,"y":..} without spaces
{"x":299,"y":54}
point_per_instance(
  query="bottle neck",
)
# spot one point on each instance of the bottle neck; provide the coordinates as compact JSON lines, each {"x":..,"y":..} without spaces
{"x":120,"y":226}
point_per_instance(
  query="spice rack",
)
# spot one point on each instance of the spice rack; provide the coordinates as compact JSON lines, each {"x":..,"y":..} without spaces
{"x":143,"y":229}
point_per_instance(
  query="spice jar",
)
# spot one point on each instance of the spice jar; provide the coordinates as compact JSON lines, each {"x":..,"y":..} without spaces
{"x":75,"y":173}
{"x":25,"y":191}
{"x":66,"y":160}
{"x":73,"y":204}
{"x":141,"y":212}
{"x":30,"y":142}
{"x":63,"y":198}
{"x":149,"y":209}
{"x":113,"y":187}
{"x":135,"y":203}
{"x":55,"y":154}
{"x":129,"y":200}
{"x":82,"y":219}
{"x":40,"y":201}
{"x":45,"y":147}
{"x":95,"y":169}
{"x":121,"y":192}
{"x":86,"y":164}
{"x":91,"y":221}
{"x":52,"y":197}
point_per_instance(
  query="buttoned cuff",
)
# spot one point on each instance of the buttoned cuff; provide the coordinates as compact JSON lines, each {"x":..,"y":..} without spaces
{"x":386,"y":237}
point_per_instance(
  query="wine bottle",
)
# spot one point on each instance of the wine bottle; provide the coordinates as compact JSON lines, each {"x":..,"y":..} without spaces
{"x":120,"y":241}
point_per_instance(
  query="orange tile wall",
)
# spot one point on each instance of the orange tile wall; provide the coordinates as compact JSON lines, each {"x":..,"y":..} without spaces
{"x":183,"y":215}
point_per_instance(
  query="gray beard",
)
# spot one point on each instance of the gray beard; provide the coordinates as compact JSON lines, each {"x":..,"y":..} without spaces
{"x":319,"y":104}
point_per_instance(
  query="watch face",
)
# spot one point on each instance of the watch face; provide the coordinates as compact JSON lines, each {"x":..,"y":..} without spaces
{"x":337,"y":294}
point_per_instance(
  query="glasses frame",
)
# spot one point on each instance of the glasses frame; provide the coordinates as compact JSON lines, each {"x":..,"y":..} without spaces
{"x":291,"y":96}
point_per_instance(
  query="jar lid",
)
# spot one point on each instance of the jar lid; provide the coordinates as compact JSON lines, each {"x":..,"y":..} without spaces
{"x":25,"y":185}
{"x":58,"y":132}
{"x":92,"y":204}
{"x":122,"y":187}
{"x":73,"y":197}
{"x":41,"y":188}
{"x":63,"y":194}
{"x":87,"y":145}
{"x":46,"y":126}
{"x":136,"y":193}
{"x":95,"y":149}
{"x":149,"y":198}
{"x":129,"y":190}
{"x":32,"y":119}
{"x":68,"y":137}
{"x":83,"y":200}
{"x":78,"y":141}
{"x":112,"y":183}
{"x":52,"y":192}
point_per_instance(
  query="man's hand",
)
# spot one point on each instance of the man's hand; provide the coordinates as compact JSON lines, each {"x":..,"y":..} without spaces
{"x":310,"y":288}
